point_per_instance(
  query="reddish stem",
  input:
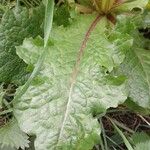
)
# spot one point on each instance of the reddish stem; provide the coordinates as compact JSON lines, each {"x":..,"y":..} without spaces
{"x":111,"y":18}
{"x":83,"y":46}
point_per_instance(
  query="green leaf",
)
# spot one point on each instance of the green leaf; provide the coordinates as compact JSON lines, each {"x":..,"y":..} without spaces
{"x":11,"y":135}
{"x":47,"y":31}
{"x":62,"y":16}
{"x":61,"y":100}
{"x":141,"y":141}
{"x":140,"y":137}
{"x":143,"y":146}
{"x":129,"y":5}
{"x":136,"y":108}
{"x":136,"y":65}
{"x":137,"y":68}
{"x":8,"y":148}
{"x":14,"y":27}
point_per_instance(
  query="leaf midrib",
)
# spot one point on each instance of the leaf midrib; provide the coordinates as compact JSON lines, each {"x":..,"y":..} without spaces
{"x":75,"y":73}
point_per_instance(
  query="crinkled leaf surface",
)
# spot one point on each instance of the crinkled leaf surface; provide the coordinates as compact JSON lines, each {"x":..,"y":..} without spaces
{"x":11,"y":135}
{"x":61,"y":105}
{"x":137,"y":68}
{"x":15,"y":26}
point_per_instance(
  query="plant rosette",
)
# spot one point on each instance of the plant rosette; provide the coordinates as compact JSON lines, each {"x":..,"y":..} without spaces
{"x":110,"y":8}
{"x":74,"y":83}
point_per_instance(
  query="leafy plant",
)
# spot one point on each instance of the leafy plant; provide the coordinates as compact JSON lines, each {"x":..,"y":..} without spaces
{"x":12,"y":136}
{"x":14,"y":28}
{"x":91,"y":60}
{"x":73,"y":83}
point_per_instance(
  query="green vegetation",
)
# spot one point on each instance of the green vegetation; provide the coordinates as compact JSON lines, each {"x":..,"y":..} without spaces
{"x":74,"y":75}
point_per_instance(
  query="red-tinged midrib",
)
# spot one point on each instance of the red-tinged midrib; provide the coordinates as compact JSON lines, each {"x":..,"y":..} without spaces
{"x":82,"y":47}
{"x":76,"y":70}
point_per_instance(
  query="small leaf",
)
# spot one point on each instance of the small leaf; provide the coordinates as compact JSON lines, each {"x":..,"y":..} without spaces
{"x":11,"y":135}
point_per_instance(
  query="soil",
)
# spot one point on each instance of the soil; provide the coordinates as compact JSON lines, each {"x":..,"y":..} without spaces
{"x":130,"y":120}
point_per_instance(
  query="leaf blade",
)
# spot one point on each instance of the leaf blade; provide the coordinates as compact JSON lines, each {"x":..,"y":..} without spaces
{"x":46,"y":99}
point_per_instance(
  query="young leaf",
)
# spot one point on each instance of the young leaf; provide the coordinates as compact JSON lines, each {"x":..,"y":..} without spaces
{"x":71,"y":86}
{"x":11,"y":135}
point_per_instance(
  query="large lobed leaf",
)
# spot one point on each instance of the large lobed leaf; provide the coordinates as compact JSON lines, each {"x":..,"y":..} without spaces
{"x":59,"y":110}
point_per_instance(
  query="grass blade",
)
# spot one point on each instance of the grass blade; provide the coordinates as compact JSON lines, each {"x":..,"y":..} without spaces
{"x":47,"y":30}
{"x":48,"y":20}
{"x":103,"y":134}
{"x":126,"y":142}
